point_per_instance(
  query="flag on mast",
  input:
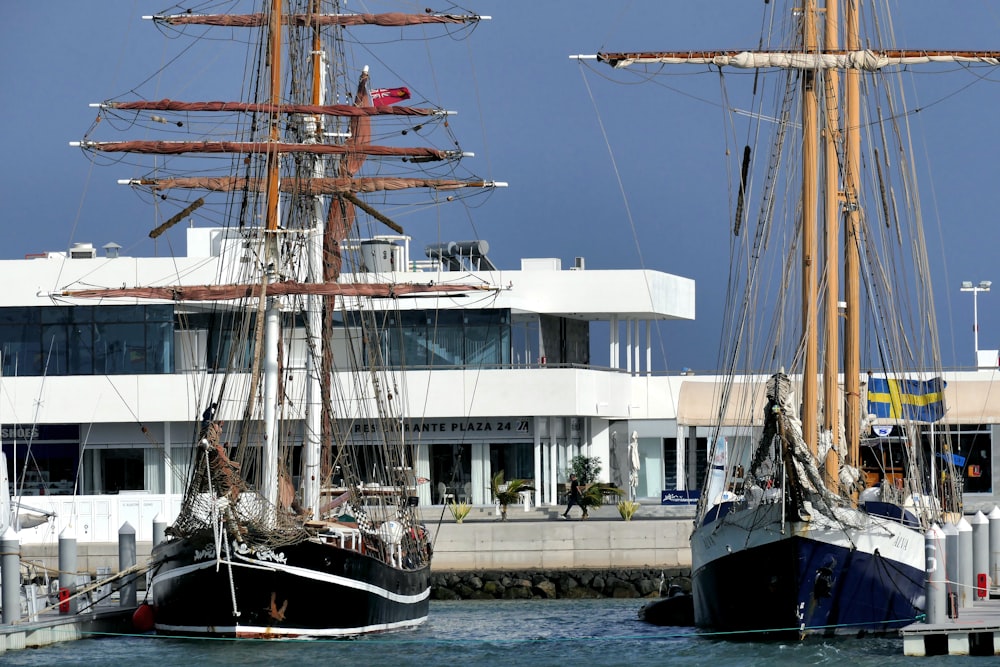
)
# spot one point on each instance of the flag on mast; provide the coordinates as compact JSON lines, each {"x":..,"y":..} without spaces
{"x":920,"y":400}
{"x":383,"y":97}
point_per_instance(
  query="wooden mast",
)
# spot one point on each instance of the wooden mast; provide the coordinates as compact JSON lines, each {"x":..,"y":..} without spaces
{"x":831,"y":217}
{"x":809,"y":224}
{"x":852,"y":263}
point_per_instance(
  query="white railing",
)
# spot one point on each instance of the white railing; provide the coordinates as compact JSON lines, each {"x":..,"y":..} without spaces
{"x":98,"y":518}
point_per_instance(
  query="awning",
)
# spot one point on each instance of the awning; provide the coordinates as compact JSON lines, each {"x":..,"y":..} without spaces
{"x":971,"y":402}
{"x":966,"y":402}
{"x":698,"y":404}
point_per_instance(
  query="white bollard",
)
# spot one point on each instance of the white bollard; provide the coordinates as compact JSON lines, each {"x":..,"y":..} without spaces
{"x":10,"y":572}
{"x":994,"y":518}
{"x":965,"y":575}
{"x":159,"y":530}
{"x":935,"y":583}
{"x":126,"y":559}
{"x":67,"y":568}
{"x":980,"y":553}
{"x":951,"y":565}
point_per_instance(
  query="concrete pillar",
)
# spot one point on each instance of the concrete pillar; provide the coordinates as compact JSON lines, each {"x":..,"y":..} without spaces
{"x":126,"y":559}
{"x":159,"y":529}
{"x":965,"y":578}
{"x":67,"y":566}
{"x":980,"y":549}
{"x":935,"y":581}
{"x":951,"y":559}
{"x":10,"y":572}
{"x":994,"y":518}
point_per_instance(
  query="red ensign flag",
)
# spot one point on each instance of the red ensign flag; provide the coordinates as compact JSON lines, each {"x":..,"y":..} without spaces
{"x":383,"y":97}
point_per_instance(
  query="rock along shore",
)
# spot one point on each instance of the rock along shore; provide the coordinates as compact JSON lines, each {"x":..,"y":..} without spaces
{"x":555,"y":584}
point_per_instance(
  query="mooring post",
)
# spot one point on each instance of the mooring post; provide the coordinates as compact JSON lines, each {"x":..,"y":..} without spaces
{"x":965,"y":573}
{"x":951,"y":566}
{"x":10,"y":570}
{"x":159,"y":530}
{"x":980,"y":554}
{"x":994,"y":518}
{"x":126,"y":559}
{"x":935,"y":580}
{"x":67,"y":570}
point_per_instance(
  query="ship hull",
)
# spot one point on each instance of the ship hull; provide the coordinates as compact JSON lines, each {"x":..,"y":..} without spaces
{"x":809,"y":579}
{"x":310,"y":589}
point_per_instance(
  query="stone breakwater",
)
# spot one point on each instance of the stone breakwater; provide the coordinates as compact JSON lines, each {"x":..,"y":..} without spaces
{"x":554,"y":584}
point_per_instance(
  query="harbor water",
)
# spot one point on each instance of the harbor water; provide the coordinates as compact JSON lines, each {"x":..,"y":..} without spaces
{"x":539,"y":633}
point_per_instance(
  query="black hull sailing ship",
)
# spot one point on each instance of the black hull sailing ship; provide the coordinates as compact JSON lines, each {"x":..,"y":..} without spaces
{"x":309,"y":589}
{"x":293,"y":522}
{"x":813,"y":513}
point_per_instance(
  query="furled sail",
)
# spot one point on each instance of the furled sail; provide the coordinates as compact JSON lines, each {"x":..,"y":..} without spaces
{"x":314,"y":186}
{"x":263,"y":147}
{"x":346,"y":110}
{"x":387,"y":19}
{"x":286,"y":287}
{"x":865,"y":59}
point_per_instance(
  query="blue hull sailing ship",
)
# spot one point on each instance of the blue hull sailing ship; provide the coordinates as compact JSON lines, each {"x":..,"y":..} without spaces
{"x":813,"y":514}
{"x":343,"y":552}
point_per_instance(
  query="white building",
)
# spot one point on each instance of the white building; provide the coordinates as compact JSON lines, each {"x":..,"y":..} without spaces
{"x":100,"y":400}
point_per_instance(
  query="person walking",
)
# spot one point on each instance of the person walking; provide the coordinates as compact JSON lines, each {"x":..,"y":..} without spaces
{"x":574,"y":496}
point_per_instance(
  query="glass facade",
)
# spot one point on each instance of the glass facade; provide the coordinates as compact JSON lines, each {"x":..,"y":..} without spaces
{"x":516,"y":460}
{"x":136,"y":340}
{"x":41,"y":460}
{"x":87,"y":340}
{"x":974,"y":445}
{"x":416,"y":339}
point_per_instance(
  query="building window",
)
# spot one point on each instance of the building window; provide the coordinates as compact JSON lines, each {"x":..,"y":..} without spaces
{"x":515,"y":459}
{"x":474,"y":338}
{"x":974,"y":445}
{"x":41,"y":460}
{"x":670,"y":463}
{"x":120,"y":469}
{"x":87,"y":340}
{"x":451,"y":471}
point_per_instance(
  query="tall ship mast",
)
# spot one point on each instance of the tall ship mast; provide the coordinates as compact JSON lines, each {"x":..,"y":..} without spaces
{"x":289,"y":531}
{"x":814,"y":509}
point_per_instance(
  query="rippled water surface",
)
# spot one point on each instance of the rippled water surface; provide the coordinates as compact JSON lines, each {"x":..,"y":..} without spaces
{"x":515,"y":633}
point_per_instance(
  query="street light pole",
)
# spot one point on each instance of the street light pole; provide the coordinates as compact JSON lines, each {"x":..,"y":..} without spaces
{"x":983,"y":286}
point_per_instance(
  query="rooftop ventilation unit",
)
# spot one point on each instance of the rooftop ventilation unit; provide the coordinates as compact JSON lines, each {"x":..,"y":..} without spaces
{"x":455,"y":254}
{"x":83,"y":251}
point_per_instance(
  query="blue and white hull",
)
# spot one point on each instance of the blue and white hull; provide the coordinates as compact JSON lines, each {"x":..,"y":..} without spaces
{"x":756,"y":571}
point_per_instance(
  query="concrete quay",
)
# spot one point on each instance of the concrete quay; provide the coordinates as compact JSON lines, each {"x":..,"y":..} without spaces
{"x":537,"y":539}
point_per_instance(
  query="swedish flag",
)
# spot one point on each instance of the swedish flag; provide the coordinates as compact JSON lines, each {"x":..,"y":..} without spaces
{"x":919,"y":400}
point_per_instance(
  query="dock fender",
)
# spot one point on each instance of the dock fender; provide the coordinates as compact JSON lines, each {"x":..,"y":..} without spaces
{"x":143,"y":618}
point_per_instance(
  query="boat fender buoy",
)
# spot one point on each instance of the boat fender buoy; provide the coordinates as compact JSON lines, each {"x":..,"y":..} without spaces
{"x":142,"y":619}
{"x":63,"y":600}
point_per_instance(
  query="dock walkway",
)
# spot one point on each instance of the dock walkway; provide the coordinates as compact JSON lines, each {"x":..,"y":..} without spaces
{"x":976,"y":631}
{"x":53,"y":627}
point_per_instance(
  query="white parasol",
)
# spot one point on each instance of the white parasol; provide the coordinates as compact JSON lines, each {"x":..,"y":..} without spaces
{"x":633,"y":464}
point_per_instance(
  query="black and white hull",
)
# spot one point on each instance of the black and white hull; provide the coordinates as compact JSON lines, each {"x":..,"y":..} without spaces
{"x":757,"y":572}
{"x":310,"y":589}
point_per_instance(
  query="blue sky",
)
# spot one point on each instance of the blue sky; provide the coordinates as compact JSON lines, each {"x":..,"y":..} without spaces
{"x":600,"y":165}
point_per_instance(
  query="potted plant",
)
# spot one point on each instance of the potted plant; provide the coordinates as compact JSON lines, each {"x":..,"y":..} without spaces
{"x":507,"y":493}
{"x":459,"y":510}
{"x":627,"y":508}
{"x":593,"y":496}
{"x":586,"y":468}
